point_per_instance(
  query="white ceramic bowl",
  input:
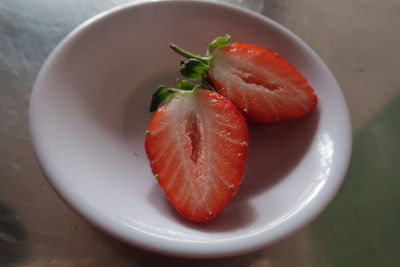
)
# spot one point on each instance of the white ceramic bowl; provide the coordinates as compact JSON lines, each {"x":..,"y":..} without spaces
{"x":89,"y":112}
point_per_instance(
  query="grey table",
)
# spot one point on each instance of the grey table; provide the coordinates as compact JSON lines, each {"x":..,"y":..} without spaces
{"x":360,"y":42}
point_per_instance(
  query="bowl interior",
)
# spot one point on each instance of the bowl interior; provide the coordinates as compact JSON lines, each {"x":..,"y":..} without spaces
{"x":89,"y":114}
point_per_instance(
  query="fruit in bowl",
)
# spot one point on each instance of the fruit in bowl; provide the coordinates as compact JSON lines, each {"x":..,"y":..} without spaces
{"x":197,"y":142}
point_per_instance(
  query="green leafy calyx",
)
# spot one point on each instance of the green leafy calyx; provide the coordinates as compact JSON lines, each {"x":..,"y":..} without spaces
{"x":185,"y":85}
{"x":218,"y":42}
{"x":162,"y":95}
{"x":165,"y":94}
{"x":193,"y":69}
{"x":196,"y":67}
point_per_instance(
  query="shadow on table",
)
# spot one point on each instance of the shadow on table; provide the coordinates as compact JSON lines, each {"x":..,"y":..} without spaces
{"x":132,"y":256}
{"x":14,"y":247}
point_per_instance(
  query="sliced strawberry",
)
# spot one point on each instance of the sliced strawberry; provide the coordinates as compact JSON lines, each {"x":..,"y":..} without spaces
{"x":197,"y":148}
{"x":263,"y":85}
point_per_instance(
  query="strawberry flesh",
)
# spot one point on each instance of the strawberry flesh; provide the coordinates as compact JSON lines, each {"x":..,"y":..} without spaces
{"x":265,"y":87}
{"x":197,"y":148}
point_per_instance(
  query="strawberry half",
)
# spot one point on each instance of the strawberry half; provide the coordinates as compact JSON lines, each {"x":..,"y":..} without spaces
{"x":263,"y":85}
{"x":197,"y":147}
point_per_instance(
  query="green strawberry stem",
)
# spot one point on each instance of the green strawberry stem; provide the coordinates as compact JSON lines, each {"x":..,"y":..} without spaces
{"x":187,"y":54}
{"x":195,"y":69}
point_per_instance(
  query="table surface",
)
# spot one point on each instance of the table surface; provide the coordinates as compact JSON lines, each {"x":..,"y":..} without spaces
{"x":358,"y":39}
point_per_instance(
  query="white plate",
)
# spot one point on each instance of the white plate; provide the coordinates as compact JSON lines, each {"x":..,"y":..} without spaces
{"x":89,"y":112}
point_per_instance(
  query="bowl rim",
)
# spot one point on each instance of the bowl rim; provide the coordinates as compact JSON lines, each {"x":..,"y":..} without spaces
{"x":191,"y":249}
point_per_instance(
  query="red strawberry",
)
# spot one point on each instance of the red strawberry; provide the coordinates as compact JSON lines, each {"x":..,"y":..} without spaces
{"x":197,"y":148}
{"x":263,"y":85}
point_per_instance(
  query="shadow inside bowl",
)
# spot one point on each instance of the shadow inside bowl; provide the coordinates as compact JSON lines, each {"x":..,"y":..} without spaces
{"x":274,"y":151}
{"x":235,"y":216}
